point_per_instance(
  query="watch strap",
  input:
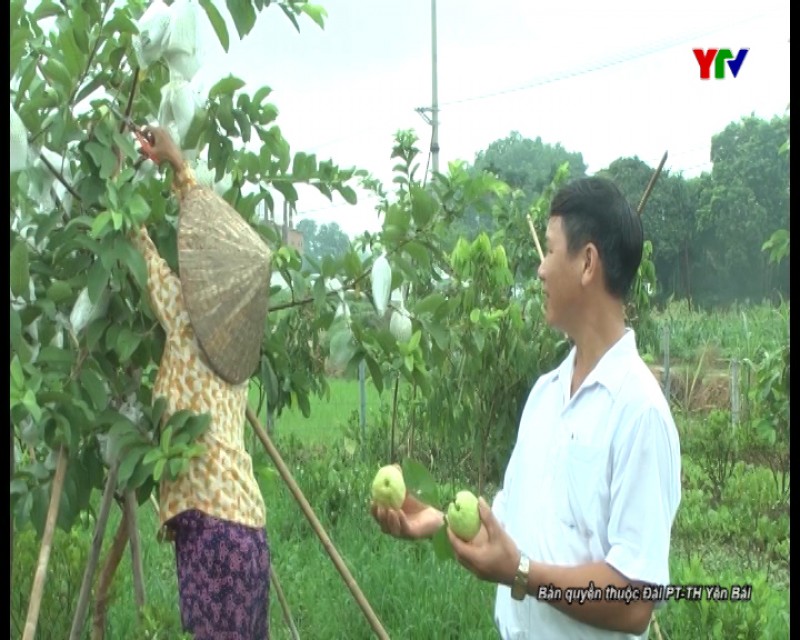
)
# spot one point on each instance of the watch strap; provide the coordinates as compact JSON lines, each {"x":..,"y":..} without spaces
{"x":519,"y":588}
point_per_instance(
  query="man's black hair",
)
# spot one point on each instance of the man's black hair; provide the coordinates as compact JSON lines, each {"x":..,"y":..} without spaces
{"x":595,"y":210}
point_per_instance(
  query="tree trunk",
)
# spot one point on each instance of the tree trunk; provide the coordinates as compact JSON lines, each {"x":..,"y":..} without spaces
{"x":136,"y":551}
{"x":106,"y":576}
{"x":687,"y":274}
{"x":94,"y":555}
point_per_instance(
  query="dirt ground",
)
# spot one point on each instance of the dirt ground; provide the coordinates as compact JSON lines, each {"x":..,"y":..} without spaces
{"x":697,"y":391}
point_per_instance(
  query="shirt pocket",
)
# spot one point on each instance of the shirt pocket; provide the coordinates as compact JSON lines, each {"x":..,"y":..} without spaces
{"x":581,"y":478}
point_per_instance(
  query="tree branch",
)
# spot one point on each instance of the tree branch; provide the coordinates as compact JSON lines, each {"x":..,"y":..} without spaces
{"x":59,"y":176}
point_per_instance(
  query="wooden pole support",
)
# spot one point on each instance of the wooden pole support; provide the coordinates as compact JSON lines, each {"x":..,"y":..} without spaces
{"x":47,"y":543}
{"x":79,"y":619}
{"x":651,"y":184}
{"x":317,"y":526}
{"x":287,"y":614}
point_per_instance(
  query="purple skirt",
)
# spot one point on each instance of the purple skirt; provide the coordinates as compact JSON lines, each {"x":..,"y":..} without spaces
{"x":223,"y":577}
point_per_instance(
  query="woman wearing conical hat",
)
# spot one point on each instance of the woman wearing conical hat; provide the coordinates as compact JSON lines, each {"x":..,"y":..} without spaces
{"x":214,"y":512}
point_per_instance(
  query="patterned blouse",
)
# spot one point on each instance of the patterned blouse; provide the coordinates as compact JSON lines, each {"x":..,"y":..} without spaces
{"x":220,"y":482}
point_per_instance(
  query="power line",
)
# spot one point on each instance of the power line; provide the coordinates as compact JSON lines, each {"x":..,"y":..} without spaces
{"x":600,"y":66}
{"x":619,"y":59}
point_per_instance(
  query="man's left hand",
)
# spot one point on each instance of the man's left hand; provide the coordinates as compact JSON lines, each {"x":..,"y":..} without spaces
{"x":491,"y":555}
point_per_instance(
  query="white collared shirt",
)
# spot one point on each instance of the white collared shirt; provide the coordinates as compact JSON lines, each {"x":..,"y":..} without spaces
{"x":593,"y":477}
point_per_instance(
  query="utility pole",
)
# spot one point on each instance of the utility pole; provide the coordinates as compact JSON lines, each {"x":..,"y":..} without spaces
{"x":434,"y":108}
{"x":435,"y":92}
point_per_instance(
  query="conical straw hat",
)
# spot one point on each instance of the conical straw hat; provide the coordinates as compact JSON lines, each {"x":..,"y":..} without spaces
{"x":225,"y":274}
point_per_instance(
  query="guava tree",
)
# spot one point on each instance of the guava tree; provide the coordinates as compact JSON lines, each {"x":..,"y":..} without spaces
{"x":85,"y":344}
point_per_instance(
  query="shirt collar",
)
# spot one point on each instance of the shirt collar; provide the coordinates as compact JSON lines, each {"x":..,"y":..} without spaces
{"x":610,"y":370}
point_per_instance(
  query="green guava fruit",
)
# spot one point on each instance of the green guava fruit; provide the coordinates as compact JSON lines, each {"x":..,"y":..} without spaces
{"x":463,"y":517}
{"x":388,"y":487}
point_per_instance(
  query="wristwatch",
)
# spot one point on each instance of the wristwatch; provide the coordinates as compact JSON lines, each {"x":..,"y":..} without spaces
{"x":519,"y":588}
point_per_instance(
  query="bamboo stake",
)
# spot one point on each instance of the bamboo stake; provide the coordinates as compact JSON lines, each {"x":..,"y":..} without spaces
{"x":79,"y":618}
{"x":47,"y":543}
{"x":535,"y":238}
{"x":11,"y":517}
{"x":651,"y":184}
{"x":106,"y":576}
{"x":287,"y":614}
{"x":639,"y":210}
{"x":318,"y":529}
{"x":136,"y":550}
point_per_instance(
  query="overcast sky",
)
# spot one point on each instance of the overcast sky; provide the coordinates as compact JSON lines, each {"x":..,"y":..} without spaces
{"x":611,"y":81}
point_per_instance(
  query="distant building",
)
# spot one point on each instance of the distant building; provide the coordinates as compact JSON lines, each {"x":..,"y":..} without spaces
{"x":293,"y":238}
{"x":289,"y":235}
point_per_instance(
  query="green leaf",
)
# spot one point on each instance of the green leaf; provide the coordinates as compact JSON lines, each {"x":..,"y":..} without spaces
{"x":127,"y":466}
{"x":158,"y":470}
{"x":423,"y":206}
{"x":46,"y":9}
{"x":348,"y":194}
{"x":95,"y":388}
{"x":41,"y":500}
{"x":18,"y":344}
{"x":58,"y":291}
{"x":97,"y":281}
{"x":225,"y":118}
{"x":138,"y":208}
{"x":127,"y":343}
{"x":258,"y":97}
{"x":132,"y":259}
{"x":17,"y":375}
{"x":286,"y":189}
{"x":55,"y":71}
{"x":243,"y":14}
{"x":420,"y":482}
{"x":441,"y":544}
{"x":100,"y":223}
{"x":226,"y":86}
{"x":151,"y":456}
{"x":218,"y":22}
{"x":430,"y":304}
{"x":418,"y":253}
{"x":243,"y":123}
{"x":178,"y":420}
{"x":316,"y":13}
{"x":175,"y":467}
{"x":375,"y":373}
{"x":166,"y":437}
{"x":20,"y":274}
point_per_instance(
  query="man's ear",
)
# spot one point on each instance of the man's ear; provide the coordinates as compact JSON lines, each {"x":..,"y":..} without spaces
{"x":591,"y":267}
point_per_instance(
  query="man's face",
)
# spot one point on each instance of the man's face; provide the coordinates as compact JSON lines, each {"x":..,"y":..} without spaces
{"x":560,"y":274}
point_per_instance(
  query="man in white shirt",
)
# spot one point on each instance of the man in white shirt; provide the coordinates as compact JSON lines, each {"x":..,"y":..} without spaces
{"x":578,"y":538}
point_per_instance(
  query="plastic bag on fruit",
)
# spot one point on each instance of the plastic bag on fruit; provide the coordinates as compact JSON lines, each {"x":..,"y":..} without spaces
{"x":381,"y":283}
{"x":181,"y":43}
{"x":153,"y":26}
{"x":179,"y":102}
{"x":400,"y":324}
{"x":84,"y":311}
{"x":205,"y":176}
{"x":19,"y":143}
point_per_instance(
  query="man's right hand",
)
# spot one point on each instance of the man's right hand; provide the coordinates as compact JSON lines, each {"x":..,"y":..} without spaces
{"x":414,"y":520}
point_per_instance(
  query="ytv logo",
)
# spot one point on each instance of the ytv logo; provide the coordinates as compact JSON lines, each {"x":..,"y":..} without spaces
{"x":719,"y":57}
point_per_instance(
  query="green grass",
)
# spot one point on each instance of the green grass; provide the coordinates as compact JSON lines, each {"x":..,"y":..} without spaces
{"x":329,"y":415}
{"x":739,"y":540}
{"x":738,"y":332}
